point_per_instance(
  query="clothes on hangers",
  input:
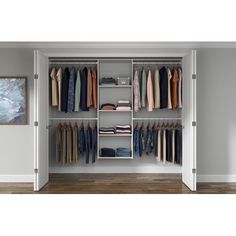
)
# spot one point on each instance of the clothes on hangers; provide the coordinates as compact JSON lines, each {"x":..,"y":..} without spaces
{"x":59,"y":81}
{"x":136,"y":87}
{"x":150,"y":99}
{"x":77,"y":92}
{"x":89,"y":90}
{"x":73,"y":142}
{"x":163,"y":142}
{"x":143,"y":88}
{"x":164,"y":91}
{"x":157,"y":88}
{"x":54,"y":97}
{"x":174,"y":88}
{"x":73,"y":88}
{"x":71,"y":91}
{"x":64,"y":89}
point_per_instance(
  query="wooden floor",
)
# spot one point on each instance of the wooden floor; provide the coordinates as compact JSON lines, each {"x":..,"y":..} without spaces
{"x":116,"y":184}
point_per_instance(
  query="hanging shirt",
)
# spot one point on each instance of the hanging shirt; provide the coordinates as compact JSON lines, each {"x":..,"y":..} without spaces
{"x":180,"y":87}
{"x":84,"y":89}
{"x":144,"y":88}
{"x":137,"y":104}
{"x":75,"y":143}
{"x":54,"y":95}
{"x":163,"y":88}
{"x":64,"y":89}
{"x":173,"y":146}
{"x":64,"y":142}
{"x":94,"y":90}
{"x":169,"y":88}
{"x":71,"y":91}
{"x":174,"y":88}
{"x":164,"y":146}
{"x":69,"y":144}
{"x":157,"y":88}
{"x":89,"y":90}
{"x":59,"y":80}
{"x":77,"y":91}
{"x":94,"y":144}
{"x":150,"y":100}
{"x":59,"y":143}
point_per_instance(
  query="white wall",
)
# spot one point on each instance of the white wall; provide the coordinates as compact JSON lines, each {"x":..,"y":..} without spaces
{"x":16,"y":142}
{"x":216,"y":91}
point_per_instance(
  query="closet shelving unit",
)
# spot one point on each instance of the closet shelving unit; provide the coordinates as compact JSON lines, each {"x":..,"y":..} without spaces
{"x":111,"y":94}
{"x":46,"y":117}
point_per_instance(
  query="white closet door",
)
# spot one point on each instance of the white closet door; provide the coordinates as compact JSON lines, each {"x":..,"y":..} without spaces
{"x":40,"y":120}
{"x":189,"y":121}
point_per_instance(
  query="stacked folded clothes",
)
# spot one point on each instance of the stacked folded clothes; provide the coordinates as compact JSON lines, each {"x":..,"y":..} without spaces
{"x":108,"y":106}
{"x":123,"y":129}
{"x":107,"y":152}
{"x":123,"y":152}
{"x":123,"y":105}
{"x":108,"y":81}
{"x":106,"y":130}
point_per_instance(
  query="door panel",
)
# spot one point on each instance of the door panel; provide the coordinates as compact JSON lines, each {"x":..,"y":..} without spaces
{"x":189,"y":121}
{"x":41,"y":118}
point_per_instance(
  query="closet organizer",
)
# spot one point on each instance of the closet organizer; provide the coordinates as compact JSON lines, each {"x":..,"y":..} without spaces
{"x":88,"y":121}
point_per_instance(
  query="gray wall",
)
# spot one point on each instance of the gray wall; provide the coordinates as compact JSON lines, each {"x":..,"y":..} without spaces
{"x":216,"y":113}
{"x":16,"y":142}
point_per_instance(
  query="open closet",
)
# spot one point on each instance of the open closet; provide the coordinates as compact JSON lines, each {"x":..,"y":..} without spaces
{"x":120,"y":115}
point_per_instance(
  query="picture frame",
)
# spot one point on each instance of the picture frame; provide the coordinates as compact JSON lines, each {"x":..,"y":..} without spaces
{"x":13,"y":100}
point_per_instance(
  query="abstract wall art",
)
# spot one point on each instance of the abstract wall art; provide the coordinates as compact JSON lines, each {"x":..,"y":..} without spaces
{"x":13,"y":100}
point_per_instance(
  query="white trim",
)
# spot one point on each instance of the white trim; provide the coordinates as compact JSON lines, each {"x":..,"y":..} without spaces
{"x":187,"y":45}
{"x":216,"y":178}
{"x":117,"y":170}
{"x":17,"y":178}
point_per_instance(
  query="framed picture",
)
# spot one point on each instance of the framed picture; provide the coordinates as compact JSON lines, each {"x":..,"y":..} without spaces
{"x":13,"y":101}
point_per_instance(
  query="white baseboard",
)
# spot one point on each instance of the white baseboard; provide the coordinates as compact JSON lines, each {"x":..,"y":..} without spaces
{"x":17,"y":178}
{"x":216,"y":178}
{"x":116,"y":170}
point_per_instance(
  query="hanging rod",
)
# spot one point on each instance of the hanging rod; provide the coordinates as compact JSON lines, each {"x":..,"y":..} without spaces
{"x":65,"y":118}
{"x":143,"y":118}
{"x":157,"y":63}
{"x":72,"y":63}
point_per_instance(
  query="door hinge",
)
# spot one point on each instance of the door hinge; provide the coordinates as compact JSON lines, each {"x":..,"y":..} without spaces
{"x":194,"y":123}
{"x":36,"y":123}
{"x":36,"y":76}
{"x":194,"y":76}
{"x":194,"y":171}
{"x":36,"y":171}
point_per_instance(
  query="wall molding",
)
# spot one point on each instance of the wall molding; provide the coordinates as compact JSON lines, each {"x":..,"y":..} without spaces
{"x":110,"y":44}
{"x":116,"y":170}
{"x":216,"y":178}
{"x":17,"y":178}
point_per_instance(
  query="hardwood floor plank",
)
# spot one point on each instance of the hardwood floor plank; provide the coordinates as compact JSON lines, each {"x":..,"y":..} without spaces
{"x":117,"y":184}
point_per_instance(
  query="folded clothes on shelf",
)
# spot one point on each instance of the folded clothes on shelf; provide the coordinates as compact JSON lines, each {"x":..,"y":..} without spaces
{"x":123,"y":129}
{"x":107,"y":130}
{"x":108,"y":106}
{"x":123,"y":105}
{"x":107,"y":152}
{"x":108,"y":81}
{"x":123,"y":152}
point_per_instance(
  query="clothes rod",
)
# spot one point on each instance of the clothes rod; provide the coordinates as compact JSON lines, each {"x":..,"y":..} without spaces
{"x":143,"y":118}
{"x":157,"y":63}
{"x":90,"y":118}
{"x":72,"y":63}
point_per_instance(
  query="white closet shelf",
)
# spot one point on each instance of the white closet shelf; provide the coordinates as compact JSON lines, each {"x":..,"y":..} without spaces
{"x":66,"y":118}
{"x":115,"y":158}
{"x":155,"y":118}
{"x":115,"y":135}
{"x":114,"y":111}
{"x":115,"y":86}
